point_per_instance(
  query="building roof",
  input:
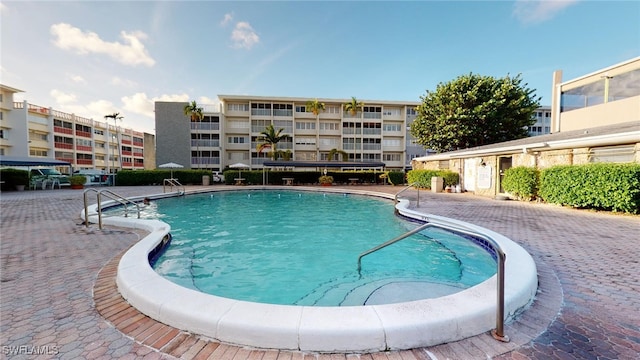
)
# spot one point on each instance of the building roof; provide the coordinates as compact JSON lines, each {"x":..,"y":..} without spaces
{"x":304,"y":100}
{"x":30,"y":161}
{"x":598,"y":136}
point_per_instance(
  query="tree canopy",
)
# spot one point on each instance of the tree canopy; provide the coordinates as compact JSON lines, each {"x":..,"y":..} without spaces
{"x":474,"y":110}
{"x":353,"y":106}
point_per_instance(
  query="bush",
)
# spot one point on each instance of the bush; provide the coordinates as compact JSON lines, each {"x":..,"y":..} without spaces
{"x":522,"y":182}
{"x":150,"y":177}
{"x":396,"y":177}
{"x":613,"y":187}
{"x":423,"y":177}
{"x":78,"y":180}
{"x":13,"y":177}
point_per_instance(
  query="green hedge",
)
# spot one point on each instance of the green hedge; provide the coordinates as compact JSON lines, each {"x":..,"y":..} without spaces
{"x":423,"y":177}
{"x":150,"y":177}
{"x":613,"y":187}
{"x":522,"y":182}
{"x":13,"y":177}
{"x":396,"y":177}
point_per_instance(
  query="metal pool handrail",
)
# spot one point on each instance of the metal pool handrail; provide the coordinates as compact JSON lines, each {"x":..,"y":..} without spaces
{"x":407,"y":188}
{"x":172,"y":183}
{"x":113,"y":196}
{"x":498,"y":332}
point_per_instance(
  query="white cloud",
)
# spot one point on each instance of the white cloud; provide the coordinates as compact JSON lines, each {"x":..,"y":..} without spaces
{"x":209,"y":104}
{"x":62,"y":98}
{"x":123,"y":82}
{"x":130,"y":52}
{"x":141,"y":104}
{"x":537,"y":11}
{"x":243,"y":36}
{"x":77,"y":79}
{"x":227,"y":19}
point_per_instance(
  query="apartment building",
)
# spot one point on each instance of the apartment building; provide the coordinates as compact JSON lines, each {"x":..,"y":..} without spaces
{"x":33,"y":131}
{"x":542,"y":126}
{"x":378,"y":132}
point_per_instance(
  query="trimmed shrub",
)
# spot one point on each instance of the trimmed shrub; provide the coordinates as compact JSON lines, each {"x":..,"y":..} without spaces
{"x":13,"y":177}
{"x":613,"y":187}
{"x":150,"y":177}
{"x":396,"y":177}
{"x":423,"y":177}
{"x":522,"y":182}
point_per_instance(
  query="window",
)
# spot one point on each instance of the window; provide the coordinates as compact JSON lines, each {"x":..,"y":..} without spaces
{"x":38,"y":153}
{"x":238,"y":107}
{"x":392,"y":157}
{"x":329,"y":126}
{"x":391,"y":142}
{"x":261,"y":109}
{"x":238,"y":124}
{"x":301,"y":109}
{"x":305,"y":125}
{"x":411,"y":111}
{"x":392,"y":127}
{"x":98,"y":132}
{"x":237,"y":140}
{"x":282,"y":110}
{"x":391,"y":112}
{"x":332,"y":109}
{"x":305,"y":141}
{"x":2,"y":134}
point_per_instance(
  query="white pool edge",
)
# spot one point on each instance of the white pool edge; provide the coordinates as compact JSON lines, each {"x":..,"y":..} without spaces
{"x":323,"y":329}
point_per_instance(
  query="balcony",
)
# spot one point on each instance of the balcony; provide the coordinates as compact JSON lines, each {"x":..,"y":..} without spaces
{"x":84,"y":161}
{"x":62,"y":130}
{"x":84,"y":148}
{"x":83,"y":134}
{"x":60,"y":145}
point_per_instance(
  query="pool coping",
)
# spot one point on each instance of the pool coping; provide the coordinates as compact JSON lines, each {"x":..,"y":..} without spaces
{"x":327,"y":329}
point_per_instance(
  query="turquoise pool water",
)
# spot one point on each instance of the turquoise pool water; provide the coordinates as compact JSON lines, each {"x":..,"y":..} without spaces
{"x":301,"y":248}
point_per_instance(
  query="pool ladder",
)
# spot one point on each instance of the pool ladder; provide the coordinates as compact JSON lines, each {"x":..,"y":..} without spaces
{"x":111,"y":195}
{"x":172,"y":183}
{"x":498,"y":332}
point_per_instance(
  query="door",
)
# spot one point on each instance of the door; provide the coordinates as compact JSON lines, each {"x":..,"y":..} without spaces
{"x":469,"y":178}
{"x":504,"y":163}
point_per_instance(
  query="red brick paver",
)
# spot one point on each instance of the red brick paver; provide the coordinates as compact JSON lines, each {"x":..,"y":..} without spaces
{"x":52,"y":269}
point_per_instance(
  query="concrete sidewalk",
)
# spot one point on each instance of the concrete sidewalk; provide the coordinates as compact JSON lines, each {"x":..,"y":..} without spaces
{"x":588,"y":306}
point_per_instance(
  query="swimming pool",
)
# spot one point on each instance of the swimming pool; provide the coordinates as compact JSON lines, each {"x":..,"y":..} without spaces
{"x":300,"y":248}
{"x":371,"y":328}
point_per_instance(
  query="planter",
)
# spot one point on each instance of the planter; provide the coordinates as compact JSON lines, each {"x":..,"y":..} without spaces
{"x":326,"y":184}
{"x":77,"y":186}
{"x":20,"y":187}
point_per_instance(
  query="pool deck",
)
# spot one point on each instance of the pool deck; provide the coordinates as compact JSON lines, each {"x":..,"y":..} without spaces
{"x":58,"y":298}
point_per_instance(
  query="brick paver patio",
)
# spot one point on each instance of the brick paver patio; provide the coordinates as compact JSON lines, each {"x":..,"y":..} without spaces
{"x":58,"y":300}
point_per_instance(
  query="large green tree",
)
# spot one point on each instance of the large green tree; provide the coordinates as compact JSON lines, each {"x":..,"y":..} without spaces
{"x":269,"y":138}
{"x":194,"y":112}
{"x":474,"y":110}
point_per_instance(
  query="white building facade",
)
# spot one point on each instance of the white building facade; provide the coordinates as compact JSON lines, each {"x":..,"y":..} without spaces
{"x":378,"y":132}
{"x":28,"y":130}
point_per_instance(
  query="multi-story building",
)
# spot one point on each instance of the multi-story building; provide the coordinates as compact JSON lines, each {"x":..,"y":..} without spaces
{"x":542,"y":126}
{"x":378,"y":132}
{"x":33,"y":131}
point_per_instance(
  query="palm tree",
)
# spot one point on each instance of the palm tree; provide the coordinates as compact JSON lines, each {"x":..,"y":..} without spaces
{"x":343,"y":153}
{"x":353,"y":107}
{"x":316,"y":107}
{"x":270,"y":138}
{"x":195,"y":114}
{"x":115,"y":116}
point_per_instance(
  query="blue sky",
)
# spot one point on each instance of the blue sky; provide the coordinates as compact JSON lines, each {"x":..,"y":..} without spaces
{"x":94,"y":58}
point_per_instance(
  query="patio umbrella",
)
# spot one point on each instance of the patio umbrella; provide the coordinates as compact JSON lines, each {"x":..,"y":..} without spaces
{"x":171,"y":166}
{"x":239,"y":166}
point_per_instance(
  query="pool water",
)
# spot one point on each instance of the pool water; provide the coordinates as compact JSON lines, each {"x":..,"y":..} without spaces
{"x":301,"y":248}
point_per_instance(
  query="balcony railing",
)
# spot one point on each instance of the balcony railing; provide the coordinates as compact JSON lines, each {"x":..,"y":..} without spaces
{"x":205,"y":143}
{"x":83,"y":134}
{"x":261,"y":112}
{"x":205,"y":126}
{"x":60,"y":145}
{"x":62,"y":130}
{"x":84,"y":161}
